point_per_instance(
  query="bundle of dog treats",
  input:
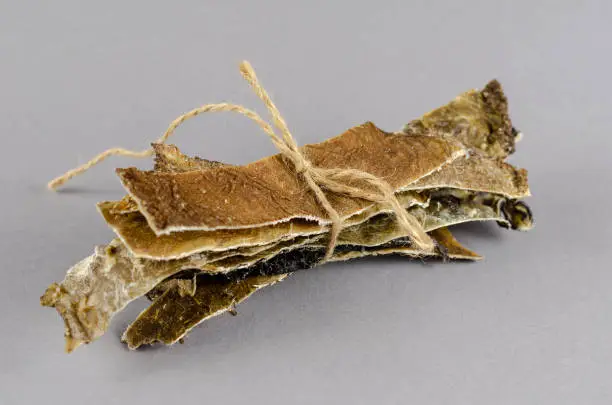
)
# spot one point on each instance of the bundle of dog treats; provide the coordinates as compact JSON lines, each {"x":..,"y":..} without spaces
{"x":197,"y":236}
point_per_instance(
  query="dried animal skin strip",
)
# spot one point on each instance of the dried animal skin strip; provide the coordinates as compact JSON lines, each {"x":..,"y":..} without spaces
{"x":360,"y":169}
{"x":169,"y":200}
{"x":174,"y":266}
{"x":134,"y":231}
{"x":87,"y":314}
{"x":400,"y":245}
{"x":174,"y":313}
{"x":479,"y":119}
{"x":208,"y":301}
{"x":87,"y":311}
{"x":139,"y":237}
{"x":98,"y":287}
{"x":446,"y":208}
{"x":477,"y":173}
{"x":268,"y":191}
{"x":452,"y":248}
{"x":102,"y":284}
{"x":449,"y":207}
{"x":444,"y":211}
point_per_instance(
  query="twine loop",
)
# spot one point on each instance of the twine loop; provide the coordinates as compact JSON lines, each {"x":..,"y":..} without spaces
{"x":334,"y":180}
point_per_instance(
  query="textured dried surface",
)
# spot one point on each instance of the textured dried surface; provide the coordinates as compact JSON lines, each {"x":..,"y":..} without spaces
{"x":104,"y":283}
{"x":479,"y":119}
{"x":99,"y":286}
{"x":169,"y":159}
{"x":140,"y":238}
{"x":477,"y":172}
{"x":268,"y":191}
{"x":453,"y":249}
{"x":133,"y":229}
{"x":174,"y":313}
{"x":446,"y":208}
{"x":135,"y":232}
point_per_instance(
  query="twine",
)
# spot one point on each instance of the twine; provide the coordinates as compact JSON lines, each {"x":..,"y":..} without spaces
{"x":334,"y":180}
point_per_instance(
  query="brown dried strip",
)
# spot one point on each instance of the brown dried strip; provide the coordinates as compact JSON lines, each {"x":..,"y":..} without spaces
{"x":269,"y":191}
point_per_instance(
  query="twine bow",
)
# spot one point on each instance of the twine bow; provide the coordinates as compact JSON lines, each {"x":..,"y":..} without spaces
{"x":334,"y":180}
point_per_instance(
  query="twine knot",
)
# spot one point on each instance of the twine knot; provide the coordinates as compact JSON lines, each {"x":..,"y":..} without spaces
{"x":301,"y":166}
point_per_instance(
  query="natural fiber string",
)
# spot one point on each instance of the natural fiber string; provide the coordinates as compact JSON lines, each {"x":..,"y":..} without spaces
{"x":60,"y":180}
{"x":335,"y":180}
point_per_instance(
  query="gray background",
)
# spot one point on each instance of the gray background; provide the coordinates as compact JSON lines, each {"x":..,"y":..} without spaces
{"x":532,"y":324}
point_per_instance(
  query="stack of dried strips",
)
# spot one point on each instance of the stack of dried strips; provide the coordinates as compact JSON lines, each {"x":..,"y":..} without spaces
{"x":197,"y":236}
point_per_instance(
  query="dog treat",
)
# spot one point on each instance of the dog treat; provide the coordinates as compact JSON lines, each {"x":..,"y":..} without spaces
{"x":478,"y":174}
{"x":199,"y":236}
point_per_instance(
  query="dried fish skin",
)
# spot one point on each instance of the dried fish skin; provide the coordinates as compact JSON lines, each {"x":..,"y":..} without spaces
{"x":443,"y":237}
{"x":209,"y":300}
{"x":99,"y":286}
{"x":479,"y":119}
{"x":454,"y":154}
{"x":173,"y":313}
{"x":133,"y":229}
{"x":103,"y":284}
{"x":135,"y":232}
{"x":449,"y":207}
{"x":477,"y":172}
{"x":480,"y":173}
{"x":474,"y":173}
{"x":269,"y":191}
{"x":445,"y":207}
{"x":114,"y":274}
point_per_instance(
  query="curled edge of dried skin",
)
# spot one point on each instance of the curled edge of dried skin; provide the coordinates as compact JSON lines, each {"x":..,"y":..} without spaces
{"x":99,"y":286}
{"x":478,"y":118}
